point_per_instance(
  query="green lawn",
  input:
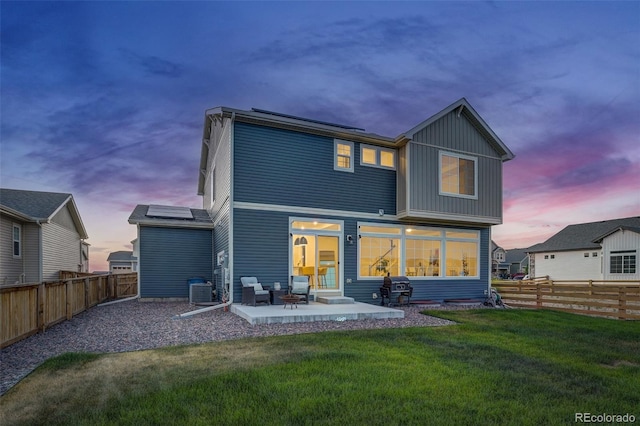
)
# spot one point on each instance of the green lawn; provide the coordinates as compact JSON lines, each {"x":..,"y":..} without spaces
{"x":495,"y":367}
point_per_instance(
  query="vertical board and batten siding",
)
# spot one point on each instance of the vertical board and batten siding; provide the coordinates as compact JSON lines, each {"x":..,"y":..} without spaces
{"x":261,"y":249}
{"x":621,"y":241}
{"x":457,"y":135}
{"x":402,"y":180}
{"x":275,"y":166}
{"x":170,"y":256}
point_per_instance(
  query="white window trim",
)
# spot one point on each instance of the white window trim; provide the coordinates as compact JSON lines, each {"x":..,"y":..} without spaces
{"x":475,"y":175}
{"x":378,"y":150}
{"x":403,"y":236}
{"x":335,"y":156}
{"x":13,"y":240}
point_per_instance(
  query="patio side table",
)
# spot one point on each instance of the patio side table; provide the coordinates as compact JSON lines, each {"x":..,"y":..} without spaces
{"x":275,"y":296}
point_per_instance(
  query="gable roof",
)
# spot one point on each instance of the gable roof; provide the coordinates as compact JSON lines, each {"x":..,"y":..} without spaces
{"x":463,"y":107}
{"x":200,"y":218}
{"x":622,"y":228}
{"x":583,"y":235}
{"x":516,"y":255}
{"x":37,"y":206}
{"x":121,"y":256}
{"x":290,"y":122}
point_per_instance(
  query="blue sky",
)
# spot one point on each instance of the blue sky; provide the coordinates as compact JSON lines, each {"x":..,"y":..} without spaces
{"x":106,"y":100}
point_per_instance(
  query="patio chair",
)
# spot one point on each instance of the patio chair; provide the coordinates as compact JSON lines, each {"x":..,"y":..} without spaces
{"x":253,"y":292}
{"x":300,"y":287}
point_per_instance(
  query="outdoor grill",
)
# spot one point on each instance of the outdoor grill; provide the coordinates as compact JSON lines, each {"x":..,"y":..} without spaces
{"x":396,"y":291}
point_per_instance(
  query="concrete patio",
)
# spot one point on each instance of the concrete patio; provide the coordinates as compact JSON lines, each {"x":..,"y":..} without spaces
{"x":314,"y":311}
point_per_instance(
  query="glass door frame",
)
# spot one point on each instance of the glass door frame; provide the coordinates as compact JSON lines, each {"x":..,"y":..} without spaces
{"x":313,"y":232}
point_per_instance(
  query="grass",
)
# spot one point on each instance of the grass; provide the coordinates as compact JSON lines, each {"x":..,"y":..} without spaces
{"x":494,"y":367}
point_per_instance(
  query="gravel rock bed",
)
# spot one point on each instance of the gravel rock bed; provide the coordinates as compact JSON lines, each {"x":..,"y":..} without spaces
{"x":134,"y":325}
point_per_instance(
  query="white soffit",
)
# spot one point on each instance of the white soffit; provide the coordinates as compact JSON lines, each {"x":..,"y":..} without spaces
{"x":169,"y":212}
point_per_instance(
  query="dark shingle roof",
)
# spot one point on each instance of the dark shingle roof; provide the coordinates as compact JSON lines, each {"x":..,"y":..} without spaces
{"x":583,"y":235}
{"x":516,"y":255}
{"x":120,"y":256}
{"x":34,"y":204}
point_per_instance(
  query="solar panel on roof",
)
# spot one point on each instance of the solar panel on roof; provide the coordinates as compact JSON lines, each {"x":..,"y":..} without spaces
{"x":170,"y":212}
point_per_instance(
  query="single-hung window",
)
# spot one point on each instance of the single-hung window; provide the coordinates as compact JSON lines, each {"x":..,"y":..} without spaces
{"x":458,"y":175}
{"x":17,"y":240}
{"x":343,"y":158}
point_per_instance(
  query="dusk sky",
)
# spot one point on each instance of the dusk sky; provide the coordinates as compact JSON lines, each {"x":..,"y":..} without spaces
{"x":106,"y":100}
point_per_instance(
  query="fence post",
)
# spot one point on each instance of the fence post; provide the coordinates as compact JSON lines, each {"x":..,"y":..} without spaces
{"x":69,"y":292}
{"x":622,"y":303}
{"x":41,"y":305}
{"x":86,"y":293}
{"x":538,"y":295}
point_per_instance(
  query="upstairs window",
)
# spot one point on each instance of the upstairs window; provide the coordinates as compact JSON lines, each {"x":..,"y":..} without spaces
{"x":376,"y":156}
{"x":458,"y":175}
{"x":343,"y":158}
{"x":17,"y":240}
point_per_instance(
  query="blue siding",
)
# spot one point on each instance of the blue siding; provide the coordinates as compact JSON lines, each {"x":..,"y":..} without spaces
{"x":422,"y":289}
{"x":169,"y":257}
{"x":275,"y":166}
{"x":261,"y":249}
{"x":261,"y":242}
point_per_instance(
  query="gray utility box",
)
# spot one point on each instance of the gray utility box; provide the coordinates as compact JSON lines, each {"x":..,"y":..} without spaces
{"x":200,"y":293}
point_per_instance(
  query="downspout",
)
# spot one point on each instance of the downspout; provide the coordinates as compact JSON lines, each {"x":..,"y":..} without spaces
{"x":231,"y":200}
{"x":488,"y":290}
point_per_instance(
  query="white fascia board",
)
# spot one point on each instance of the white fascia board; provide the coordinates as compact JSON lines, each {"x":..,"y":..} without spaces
{"x":16,"y":214}
{"x":171,"y":224}
{"x":311,"y":211}
{"x":448,"y":217}
{"x":465,"y":104}
{"x":75,"y":214}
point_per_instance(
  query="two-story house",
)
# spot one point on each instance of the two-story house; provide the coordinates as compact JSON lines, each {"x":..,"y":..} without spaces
{"x":291,"y":196}
{"x":499,"y":267}
{"x":42,"y":234}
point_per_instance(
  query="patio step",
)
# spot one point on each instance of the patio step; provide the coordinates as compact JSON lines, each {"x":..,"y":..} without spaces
{"x":335,"y":300}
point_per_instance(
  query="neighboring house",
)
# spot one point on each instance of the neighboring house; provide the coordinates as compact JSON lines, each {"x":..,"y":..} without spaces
{"x":122,"y":262}
{"x":285,"y":196}
{"x":518,"y":261}
{"x":590,"y":251}
{"x":498,"y":259}
{"x":42,"y":233}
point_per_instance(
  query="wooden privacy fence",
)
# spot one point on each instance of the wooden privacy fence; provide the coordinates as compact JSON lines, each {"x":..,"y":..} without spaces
{"x":26,"y":309}
{"x":614,"y":299}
